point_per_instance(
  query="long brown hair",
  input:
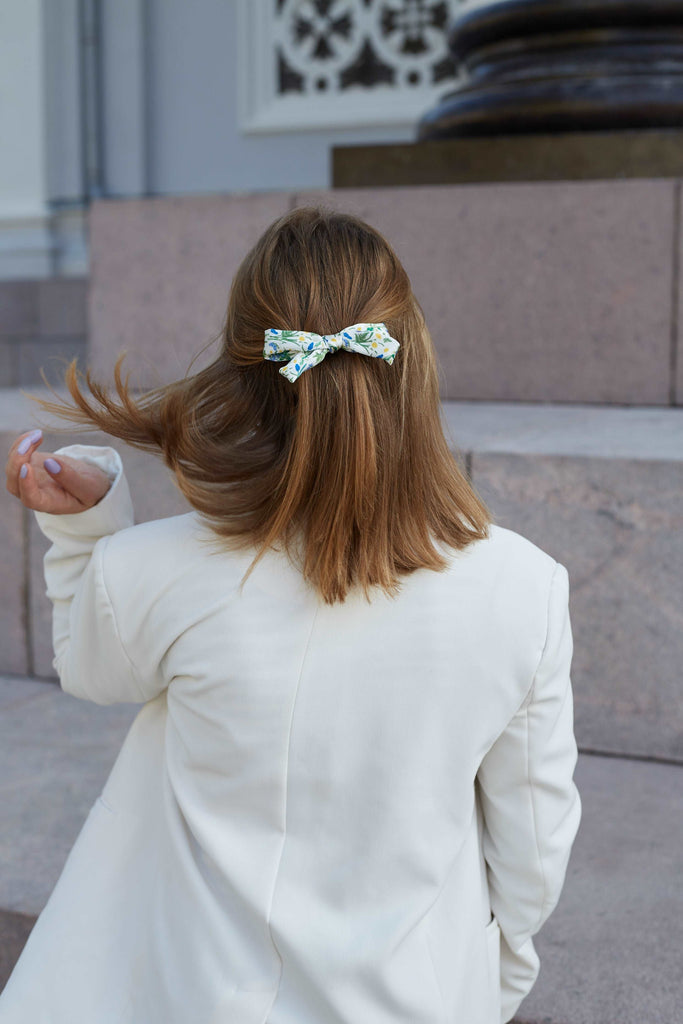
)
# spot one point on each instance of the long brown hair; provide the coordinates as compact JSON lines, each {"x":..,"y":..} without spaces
{"x":351,"y":457}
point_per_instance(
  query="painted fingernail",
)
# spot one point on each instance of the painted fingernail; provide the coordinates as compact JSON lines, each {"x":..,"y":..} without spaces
{"x":52,"y":466}
{"x":23,"y":471}
{"x":30,"y":439}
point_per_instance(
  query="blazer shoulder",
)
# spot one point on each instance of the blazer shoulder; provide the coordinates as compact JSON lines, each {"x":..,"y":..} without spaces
{"x":151,"y":557}
{"x":509,"y":545}
{"x":513,"y":575}
{"x":153,"y":552}
{"x":516,"y":573}
{"x":153,"y":534}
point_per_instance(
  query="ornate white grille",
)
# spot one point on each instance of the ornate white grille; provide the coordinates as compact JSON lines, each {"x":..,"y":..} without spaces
{"x":341,"y":63}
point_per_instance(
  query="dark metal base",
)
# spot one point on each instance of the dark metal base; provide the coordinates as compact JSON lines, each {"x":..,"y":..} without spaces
{"x":596,"y":104}
{"x":569,"y":65}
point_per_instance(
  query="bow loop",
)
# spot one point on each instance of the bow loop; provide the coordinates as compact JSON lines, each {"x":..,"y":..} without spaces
{"x":304,"y":349}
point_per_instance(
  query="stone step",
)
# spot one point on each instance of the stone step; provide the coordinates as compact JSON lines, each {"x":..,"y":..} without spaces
{"x":599,"y":488}
{"x":622,"y":884}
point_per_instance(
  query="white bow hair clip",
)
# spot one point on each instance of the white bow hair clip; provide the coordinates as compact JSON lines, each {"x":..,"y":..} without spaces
{"x":305,"y":349}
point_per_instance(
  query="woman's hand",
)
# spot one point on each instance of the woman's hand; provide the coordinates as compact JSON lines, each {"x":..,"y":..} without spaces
{"x":56,"y":484}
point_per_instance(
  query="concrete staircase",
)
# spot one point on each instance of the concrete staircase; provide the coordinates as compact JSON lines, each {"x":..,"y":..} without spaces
{"x":599,"y":486}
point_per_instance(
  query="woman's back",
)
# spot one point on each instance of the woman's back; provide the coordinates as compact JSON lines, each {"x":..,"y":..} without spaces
{"x":294,"y":815}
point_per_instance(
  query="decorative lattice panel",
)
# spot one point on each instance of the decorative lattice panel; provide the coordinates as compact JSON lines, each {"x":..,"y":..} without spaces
{"x":341,"y":63}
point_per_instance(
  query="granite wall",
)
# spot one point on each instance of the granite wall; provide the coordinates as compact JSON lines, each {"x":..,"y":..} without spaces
{"x":552,"y":292}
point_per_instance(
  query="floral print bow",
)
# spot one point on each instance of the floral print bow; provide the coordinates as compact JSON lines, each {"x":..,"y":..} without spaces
{"x":304,"y":349}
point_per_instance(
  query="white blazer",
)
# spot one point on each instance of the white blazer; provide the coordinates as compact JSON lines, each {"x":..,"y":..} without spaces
{"x":348,"y":814}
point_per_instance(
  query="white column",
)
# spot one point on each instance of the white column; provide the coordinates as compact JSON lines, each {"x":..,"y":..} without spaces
{"x":25,"y":238}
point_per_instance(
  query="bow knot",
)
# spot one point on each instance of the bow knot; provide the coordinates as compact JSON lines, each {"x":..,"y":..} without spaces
{"x":305,"y":349}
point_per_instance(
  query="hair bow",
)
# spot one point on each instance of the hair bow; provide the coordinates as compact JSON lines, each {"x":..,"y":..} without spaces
{"x":304,"y":349}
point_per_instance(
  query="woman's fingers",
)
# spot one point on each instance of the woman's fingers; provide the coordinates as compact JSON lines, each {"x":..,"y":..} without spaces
{"x":19,"y":453}
{"x":28,"y":440}
{"x":52,"y":483}
{"x":45,"y":491}
{"x":37,"y":491}
{"x":83,"y":480}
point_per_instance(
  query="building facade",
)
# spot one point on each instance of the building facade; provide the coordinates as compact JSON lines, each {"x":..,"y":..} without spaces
{"x":130,"y":98}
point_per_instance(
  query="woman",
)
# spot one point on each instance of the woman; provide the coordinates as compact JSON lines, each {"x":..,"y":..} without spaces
{"x":348,"y":797}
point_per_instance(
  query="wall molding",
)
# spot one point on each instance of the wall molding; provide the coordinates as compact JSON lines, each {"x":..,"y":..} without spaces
{"x":349,"y":64}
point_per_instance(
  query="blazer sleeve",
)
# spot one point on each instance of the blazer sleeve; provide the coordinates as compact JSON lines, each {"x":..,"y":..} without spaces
{"x":531,"y":806}
{"x":91,"y":658}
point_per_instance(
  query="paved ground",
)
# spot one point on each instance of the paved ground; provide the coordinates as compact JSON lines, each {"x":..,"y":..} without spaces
{"x":610,"y":953}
